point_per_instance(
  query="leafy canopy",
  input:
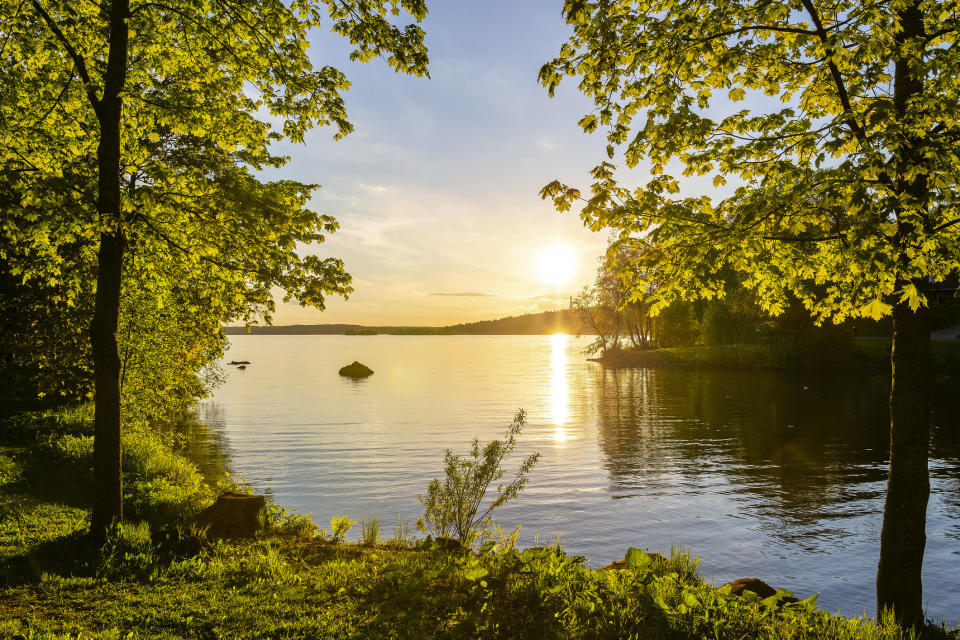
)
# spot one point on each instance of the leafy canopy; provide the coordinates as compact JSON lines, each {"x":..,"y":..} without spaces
{"x":210,"y":85}
{"x":842,"y":173}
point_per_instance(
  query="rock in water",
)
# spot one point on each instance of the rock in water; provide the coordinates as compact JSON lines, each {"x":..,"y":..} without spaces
{"x":759,"y":587}
{"x":234,"y":515}
{"x":356,"y":370}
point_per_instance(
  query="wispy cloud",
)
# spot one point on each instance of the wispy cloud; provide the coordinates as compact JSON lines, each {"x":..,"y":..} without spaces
{"x":376,"y":188}
{"x":561,"y":295}
{"x":467,"y":294}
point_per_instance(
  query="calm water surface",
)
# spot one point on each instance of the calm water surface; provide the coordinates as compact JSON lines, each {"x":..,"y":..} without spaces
{"x":763,"y":474}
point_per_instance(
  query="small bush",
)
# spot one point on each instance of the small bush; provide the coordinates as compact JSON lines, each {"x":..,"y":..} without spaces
{"x":339,"y":525}
{"x":297,"y":525}
{"x":453,"y":506}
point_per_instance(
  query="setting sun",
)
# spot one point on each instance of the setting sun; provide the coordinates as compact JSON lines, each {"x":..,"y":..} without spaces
{"x":557,"y":264}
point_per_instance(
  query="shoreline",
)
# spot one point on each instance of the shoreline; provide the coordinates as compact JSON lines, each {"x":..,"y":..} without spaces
{"x":868,"y":355}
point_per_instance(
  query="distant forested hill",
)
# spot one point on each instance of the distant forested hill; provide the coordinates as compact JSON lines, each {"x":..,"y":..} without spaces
{"x":562,"y":321}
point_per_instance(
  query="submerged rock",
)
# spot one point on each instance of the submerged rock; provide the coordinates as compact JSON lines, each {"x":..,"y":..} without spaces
{"x":234,"y":515}
{"x":356,"y":370}
{"x":759,"y":587}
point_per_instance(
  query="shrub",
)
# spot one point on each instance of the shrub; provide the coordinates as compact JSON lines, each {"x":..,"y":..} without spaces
{"x":453,"y":507}
{"x":297,"y":525}
{"x":339,"y":525}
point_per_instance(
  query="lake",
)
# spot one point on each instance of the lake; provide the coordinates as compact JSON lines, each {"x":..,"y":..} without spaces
{"x":775,"y":475}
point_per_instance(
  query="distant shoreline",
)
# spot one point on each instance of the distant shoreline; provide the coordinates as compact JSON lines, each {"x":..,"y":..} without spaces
{"x":565,"y":321}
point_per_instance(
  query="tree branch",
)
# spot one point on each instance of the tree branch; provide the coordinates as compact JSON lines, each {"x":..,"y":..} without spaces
{"x":835,"y":73}
{"x":753,"y":27}
{"x":78,"y":61}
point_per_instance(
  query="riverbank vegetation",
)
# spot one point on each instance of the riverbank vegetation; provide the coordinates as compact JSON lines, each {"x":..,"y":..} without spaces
{"x":732,"y":331}
{"x":154,"y":578}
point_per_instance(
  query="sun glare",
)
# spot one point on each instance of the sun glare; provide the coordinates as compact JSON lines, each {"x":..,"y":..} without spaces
{"x":557,"y":264}
{"x":559,"y":388}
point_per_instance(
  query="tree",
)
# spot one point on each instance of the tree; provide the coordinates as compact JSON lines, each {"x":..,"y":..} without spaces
{"x":844,"y":167}
{"x":164,"y":107}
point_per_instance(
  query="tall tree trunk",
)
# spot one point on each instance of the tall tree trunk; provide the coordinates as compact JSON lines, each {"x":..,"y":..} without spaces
{"x":108,"y":491}
{"x":903,"y":537}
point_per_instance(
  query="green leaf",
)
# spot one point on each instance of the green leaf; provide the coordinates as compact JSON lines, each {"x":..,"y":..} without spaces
{"x":912,"y":297}
{"x":637,"y":558}
{"x":475,"y":573}
{"x":690,"y":600}
{"x":876,"y":310}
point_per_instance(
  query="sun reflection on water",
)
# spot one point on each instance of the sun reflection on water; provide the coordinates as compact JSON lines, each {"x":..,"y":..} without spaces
{"x":559,"y":388}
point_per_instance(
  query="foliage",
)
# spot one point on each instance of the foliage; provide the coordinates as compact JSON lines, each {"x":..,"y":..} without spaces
{"x":208,"y":89}
{"x":339,"y":526}
{"x":297,"y":525}
{"x":138,"y":130}
{"x":402,"y":538}
{"x":843,"y":170}
{"x":622,"y":320}
{"x":453,"y":507}
{"x":370,"y":531}
{"x":161,"y":486}
{"x":821,"y":158}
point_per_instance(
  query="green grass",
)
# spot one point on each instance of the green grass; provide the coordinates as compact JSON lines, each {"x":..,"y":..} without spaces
{"x":148,"y":581}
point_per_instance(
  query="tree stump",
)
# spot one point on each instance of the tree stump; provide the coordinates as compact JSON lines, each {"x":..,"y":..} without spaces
{"x":234,"y":515}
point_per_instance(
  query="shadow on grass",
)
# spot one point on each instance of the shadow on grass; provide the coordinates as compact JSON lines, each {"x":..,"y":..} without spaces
{"x":71,"y":555}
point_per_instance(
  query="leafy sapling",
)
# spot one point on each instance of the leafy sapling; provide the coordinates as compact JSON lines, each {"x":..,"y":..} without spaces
{"x":454,"y":507}
{"x":339,"y":525}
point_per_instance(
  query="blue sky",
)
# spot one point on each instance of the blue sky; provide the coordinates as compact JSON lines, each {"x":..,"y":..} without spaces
{"x":437,"y":189}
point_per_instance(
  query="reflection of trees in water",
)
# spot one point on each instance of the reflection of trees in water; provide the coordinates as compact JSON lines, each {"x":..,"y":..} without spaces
{"x":803,"y":451}
{"x":945,"y":448}
{"x":205,"y":442}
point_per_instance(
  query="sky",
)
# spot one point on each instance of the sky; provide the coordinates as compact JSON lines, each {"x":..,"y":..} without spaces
{"x":436,"y":190}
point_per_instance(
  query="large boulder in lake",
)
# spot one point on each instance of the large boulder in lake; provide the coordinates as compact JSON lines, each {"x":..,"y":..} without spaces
{"x":234,"y":515}
{"x":356,"y":370}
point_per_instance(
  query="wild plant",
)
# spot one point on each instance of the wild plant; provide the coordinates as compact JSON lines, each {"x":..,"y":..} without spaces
{"x":401,"y":534}
{"x":339,"y":525}
{"x":370,"y":531}
{"x":453,"y":507}
{"x":297,"y":525}
{"x":129,"y":553}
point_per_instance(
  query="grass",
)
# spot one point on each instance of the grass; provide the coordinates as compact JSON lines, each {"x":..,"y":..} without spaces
{"x":299,"y":582}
